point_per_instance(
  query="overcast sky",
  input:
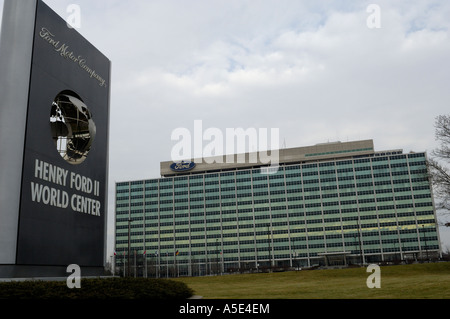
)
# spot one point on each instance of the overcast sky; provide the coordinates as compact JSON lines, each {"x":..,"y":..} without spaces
{"x":312,"y":69}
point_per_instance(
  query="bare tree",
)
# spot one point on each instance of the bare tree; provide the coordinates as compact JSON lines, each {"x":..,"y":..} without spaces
{"x":439,"y":173}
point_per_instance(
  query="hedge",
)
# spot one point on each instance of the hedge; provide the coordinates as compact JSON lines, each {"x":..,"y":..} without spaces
{"x":104,"y":289}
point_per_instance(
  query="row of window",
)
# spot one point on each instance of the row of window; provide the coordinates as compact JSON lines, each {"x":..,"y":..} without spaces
{"x":200,"y":258}
{"x":257,"y":200}
{"x":293,"y":210}
{"x":342,"y":182}
{"x":363,"y":227}
{"x":240,"y":198}
{"x":200,"y":241}
{"x":347,"y":190}
{"x":294,"y":219}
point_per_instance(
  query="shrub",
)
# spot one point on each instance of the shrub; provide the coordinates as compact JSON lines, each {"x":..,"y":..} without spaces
{"x":106,"y":289}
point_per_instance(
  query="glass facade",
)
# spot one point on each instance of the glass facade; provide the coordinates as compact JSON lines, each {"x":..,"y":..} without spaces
{"x":360,"y":209}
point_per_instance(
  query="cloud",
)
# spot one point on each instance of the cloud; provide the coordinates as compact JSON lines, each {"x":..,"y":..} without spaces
{"x":342,"y":70}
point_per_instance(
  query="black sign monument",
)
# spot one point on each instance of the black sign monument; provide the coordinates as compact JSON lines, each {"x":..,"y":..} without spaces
{"x":54,"y":124}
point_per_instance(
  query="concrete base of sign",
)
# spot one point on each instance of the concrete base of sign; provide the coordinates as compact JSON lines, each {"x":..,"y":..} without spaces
{"x":20,"y":272}
{"x":54,"y":279}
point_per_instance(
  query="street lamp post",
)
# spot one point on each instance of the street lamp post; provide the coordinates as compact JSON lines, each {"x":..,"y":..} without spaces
{"x":425,"y":239}
{"x":217,"y":257}
{"x":129,"y":245}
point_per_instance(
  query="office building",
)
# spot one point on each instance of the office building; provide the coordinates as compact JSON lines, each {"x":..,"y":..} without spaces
{"x":328,"y":204}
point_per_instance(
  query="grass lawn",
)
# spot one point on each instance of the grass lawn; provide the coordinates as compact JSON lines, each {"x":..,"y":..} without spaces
{"x":418,"y":281}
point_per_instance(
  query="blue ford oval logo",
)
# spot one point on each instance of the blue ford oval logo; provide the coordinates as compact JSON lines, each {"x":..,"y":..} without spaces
{"x":182,"y":166}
